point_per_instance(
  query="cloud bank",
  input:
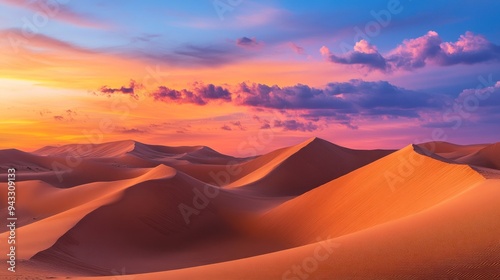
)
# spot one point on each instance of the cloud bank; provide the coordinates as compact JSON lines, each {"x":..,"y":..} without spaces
{"x":419,"y":52}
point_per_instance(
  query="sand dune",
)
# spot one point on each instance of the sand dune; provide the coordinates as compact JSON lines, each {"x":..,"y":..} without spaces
{"x":424,"y":212}
{"x":307,"y":165}
{"x":263,"y":175}
{"x":145,"y":228}
{"x":393,"y":187}
{"x":157,"y":153}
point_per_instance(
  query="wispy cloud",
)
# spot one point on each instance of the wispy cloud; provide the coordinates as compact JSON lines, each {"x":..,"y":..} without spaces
{"x":57,"y":11}
{"x":17,"y":41}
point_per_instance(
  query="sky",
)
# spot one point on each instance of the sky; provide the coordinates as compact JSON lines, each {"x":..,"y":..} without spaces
{"x":246,"y":77}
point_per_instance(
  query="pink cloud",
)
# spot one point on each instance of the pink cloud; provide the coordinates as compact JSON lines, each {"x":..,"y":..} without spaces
{"x":466,"y":43}
{"x":413,"y":53}
{"x":325,"y":51}
{"x":365,"y":47}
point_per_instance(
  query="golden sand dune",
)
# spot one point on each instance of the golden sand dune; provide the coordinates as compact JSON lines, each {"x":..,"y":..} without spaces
{"x":311,"y":211}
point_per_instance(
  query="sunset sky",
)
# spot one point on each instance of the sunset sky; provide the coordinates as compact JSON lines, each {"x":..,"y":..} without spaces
{"x":225,"y":73}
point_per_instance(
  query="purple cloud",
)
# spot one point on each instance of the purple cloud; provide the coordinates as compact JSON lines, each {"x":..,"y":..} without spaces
{"x":490,"y":94}
{"x":294,"y":125}
{"x":166,"y":94}
{"x":131,"y":130}
{"x":339,"y":102}
{"x":472,"y":106}
{"x":417,"y":53}
{"x":130,"y":90}
{"x":247,"y":42}
{"x":294,"y":97}
{"x":346,"y":97}
{"x":226,"y":127}
{"x":238,"y":125}
{"x":211,"y":91}
{"x":199,"y":95}
{"x":364,"y":54}
{"x":265,"y":126}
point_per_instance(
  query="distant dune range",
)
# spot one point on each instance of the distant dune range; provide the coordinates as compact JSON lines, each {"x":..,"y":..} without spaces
{"x":427,"y":211}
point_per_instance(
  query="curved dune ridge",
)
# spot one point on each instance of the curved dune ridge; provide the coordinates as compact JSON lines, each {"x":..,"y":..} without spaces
{"x":315,"y":210}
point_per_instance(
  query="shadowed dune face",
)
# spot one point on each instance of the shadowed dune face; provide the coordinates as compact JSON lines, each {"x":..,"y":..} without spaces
{"x":427,"y":209}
